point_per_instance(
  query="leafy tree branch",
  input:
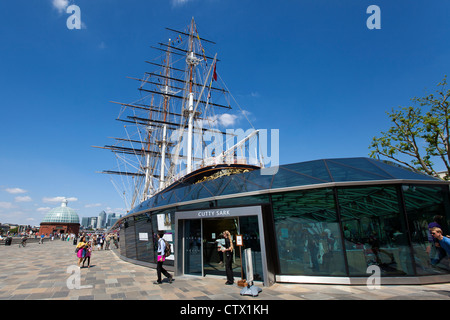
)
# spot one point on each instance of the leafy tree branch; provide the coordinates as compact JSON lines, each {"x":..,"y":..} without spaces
{"x":420,"y":134}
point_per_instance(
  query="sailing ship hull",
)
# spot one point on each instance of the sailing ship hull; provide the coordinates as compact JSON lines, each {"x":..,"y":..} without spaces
{"x":212,"y":172}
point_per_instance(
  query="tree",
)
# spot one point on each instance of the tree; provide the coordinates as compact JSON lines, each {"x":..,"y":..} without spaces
{"x":419,"y":135}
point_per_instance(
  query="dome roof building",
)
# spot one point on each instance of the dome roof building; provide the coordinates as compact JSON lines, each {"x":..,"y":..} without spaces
{"x":62,"y":214}
{"x":61,"y":219}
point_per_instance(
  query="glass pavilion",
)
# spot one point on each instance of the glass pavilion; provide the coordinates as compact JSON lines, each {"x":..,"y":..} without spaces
{"x":319,"y":221}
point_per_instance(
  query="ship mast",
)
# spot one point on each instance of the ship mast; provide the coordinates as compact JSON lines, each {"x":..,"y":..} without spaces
{"x":164,"y":141}
{"x":183,"y":96}
{"x":192,"y":61}
{"x":148,"y":176}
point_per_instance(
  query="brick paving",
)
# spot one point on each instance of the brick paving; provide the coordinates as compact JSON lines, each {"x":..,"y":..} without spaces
{"x":39,"y":272}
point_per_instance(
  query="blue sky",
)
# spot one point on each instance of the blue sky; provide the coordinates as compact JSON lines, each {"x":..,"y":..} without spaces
{"x":311,"y":69}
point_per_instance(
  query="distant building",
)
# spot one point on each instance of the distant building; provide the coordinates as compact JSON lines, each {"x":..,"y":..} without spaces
{"x":112,"y":218}
{"x":101,"y":222}
{"x":60,"y":220}
{"x":85,"y":222}
{"x":93,"y":223}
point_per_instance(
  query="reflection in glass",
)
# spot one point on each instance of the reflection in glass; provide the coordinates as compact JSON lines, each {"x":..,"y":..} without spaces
{"x":308,"y":234}
{"x":165,"y":225}
{"x":243,"y":201}
{"x":193,"y":247}
{"x":213,"y":259}
{"x":130,"y":239}
{"x":425,"y":207}
{"x":249,"y":229}
{"x":144,"y":238}
{"x":374,"y":231}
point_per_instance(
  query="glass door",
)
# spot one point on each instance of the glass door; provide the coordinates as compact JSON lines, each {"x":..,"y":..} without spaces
{"x":249,"y":229}
{"x":213,"y":258}
{"x":202,"y":241}
{"x":193,"y":247}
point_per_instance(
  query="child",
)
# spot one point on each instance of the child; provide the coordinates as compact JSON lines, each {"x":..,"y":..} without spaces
{"x":88,"y":254}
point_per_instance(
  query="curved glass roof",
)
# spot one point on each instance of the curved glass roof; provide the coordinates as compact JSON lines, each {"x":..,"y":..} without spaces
{"x":62,"y":214}
{"x":292,"y":175}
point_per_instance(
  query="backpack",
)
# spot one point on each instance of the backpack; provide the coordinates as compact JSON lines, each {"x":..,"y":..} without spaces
{"x":167,"y":250}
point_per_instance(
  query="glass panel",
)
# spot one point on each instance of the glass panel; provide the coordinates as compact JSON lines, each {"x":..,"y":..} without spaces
{"x":202,"y":192}
{"x":165,"y":224}
{"x":144,"y":205}
{"x":235,"y":185}
{"x":313,"y":169}
{"x":122,"y":238}
{"x":286,"y":178}
{"x":375,"y":231}
{"x":213,"y":260}
{"x":426,"y":207}
{"x":355,"y":170}
{"x":130,"y":238}
{"x":400,"y":172}
{"x":163,"y":198}
{"x":249,"y":229}
{"x":195,"y":206}
{"x":254,"y":180}
{"x":181,"y":192}
{"x":308,"y":234}
{"x":192,"y":192}
{"x":144,"y":238}
{"x":213,"y":186}
{"x":192,"y":247}
{"x":243,"y":201}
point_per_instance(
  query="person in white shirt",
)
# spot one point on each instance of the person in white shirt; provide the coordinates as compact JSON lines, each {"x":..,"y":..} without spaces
{"x":160,"y":260}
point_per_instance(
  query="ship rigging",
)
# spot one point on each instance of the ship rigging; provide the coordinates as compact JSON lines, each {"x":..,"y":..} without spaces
{"x":183,"y":105}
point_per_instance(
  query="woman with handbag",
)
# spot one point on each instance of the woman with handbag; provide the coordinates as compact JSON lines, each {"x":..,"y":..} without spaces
{"x":87,"y":256}
{"x":81,"y":252}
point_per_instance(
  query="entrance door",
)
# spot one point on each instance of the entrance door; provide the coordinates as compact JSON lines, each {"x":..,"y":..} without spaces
{"x":193,"y":247}
{"x":197,"y":235}
{"x":213,"y":260}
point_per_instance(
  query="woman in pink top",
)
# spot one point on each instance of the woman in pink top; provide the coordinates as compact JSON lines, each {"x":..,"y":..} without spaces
{"x":88,"y":255}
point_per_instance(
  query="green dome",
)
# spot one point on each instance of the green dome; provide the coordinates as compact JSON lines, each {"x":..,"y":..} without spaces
{"x":62,"y":214}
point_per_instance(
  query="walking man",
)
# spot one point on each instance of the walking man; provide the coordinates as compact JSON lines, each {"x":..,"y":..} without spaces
{"x":161,"y":258}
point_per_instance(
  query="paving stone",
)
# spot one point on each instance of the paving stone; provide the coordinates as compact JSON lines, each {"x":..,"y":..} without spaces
{"x":49,"y":266}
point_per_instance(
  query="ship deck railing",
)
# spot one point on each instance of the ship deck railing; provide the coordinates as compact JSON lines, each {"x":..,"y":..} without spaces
{"x":210,"y":162}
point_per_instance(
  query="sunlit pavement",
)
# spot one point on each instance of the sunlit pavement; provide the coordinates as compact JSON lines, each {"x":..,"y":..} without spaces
{"x":48,"y":271}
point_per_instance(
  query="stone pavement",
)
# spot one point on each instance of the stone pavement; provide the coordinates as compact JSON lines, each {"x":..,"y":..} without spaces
{"x":42,"y":271}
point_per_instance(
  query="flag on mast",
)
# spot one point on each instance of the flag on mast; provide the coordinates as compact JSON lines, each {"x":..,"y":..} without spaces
{"x":215,"y":73}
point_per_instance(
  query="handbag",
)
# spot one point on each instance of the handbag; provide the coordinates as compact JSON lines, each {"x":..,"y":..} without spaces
{"x":76,"y":250}
{"x":161,"y":258}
